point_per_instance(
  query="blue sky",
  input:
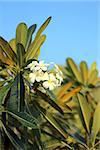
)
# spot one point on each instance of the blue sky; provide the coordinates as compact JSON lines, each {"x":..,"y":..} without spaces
{"x":73,"y":32}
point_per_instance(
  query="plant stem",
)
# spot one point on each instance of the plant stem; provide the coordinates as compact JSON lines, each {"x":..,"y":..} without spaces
{"x":95,"y":145}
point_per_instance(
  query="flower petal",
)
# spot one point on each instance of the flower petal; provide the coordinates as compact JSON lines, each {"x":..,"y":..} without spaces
{"x":45,"y":84}
{"x":32,"y":77}
{"x":45,"y":76}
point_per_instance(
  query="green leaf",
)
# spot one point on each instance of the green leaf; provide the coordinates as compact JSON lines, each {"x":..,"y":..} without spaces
{"x":22,"y":93}
{"x":96,"y":123}
{"x":52,"y":121}
{"x":63,"y":89}
{"x":85,"y":110}
{"x":21,"y":34}
{"x":93,"y":67}
{"x":30,"y":31}
{"x":71,"y":129}
{"x":37,"y":54}
{"x":13,"y":102}
{"x":92,"y":76}
{"x":20,"y":54}
{"x":3,"y":92}
{"x":16,"y":101}
{"x":74,"y":69}
{"x":42,"y":28}
{"x":24,"y":118}
{"x":7,"y":49}
{"x":95,"y":92}
{"x":17,"y":143}
{"x":64,"y":99}
{"x":34,"y":47}
{"x":47,"y":99}
{"x":84,"y":71}
{"x":12,"y":43}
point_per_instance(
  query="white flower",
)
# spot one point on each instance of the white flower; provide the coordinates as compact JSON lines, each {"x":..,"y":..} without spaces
{"x":56,"y":66}
{"x":59,"y":74}
{"x":38,"y":76}
{"x":58,"y":70}
{"x":59,"y":77}
{"x":41,"y":65}
{"x":51,"y":83}
{"x":32,"y":77}
{"x":32,"y":65}
{"x":45,"y":76}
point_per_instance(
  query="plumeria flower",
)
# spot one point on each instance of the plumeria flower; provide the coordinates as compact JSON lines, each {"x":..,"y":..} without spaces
{"x":36,"y":76}
{"x":45,"y":76}
{"x":41,"y":65}
{"x":58,"y":69}
{"x":40,"y":74}
{"x":32,"y":77}
{"x":59,"y":74}
{"x":51,"y":82}
{"x":32,"y":65}
{"x":59,"y":77}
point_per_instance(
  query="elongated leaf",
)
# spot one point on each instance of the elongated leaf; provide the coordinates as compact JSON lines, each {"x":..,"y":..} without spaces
{"x":20,"y":92}
{"x":50,"y":101}
{"x":96,"y":94}
{"x":12,"y":43}
{"x":68,"y":95}
{"x":30,"y":31}
{"x":54,"y":142}
{"x":42,"y":28}
{"x":93,"y":76}
{"x":37,"y":54}
{"x":21,"y":34}
{"x":1,"y":137}
{"x":7,"y":49}
{"x":63,"y":89}
{"x":4,"y":91}
{"x":13,"y":101}
{"x":96,"y":81}
{"x":71,"y":130}
{"x":34,"y":47}
{"x":85,"y":110}
{"x":84,"y":71}
{"x":20,"y":54}
{"x":16,"y":101}
{"x":52,"y":121}
{"x":4,"y":58}
{"x":93,"y":67}
{"x":96,"y":122}
{"x":74,"y":69}
{"x":17,"y":143}
{"x":24,"y":118}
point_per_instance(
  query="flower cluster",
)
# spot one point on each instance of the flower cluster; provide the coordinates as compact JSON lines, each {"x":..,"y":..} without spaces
{"x":40,"y":73}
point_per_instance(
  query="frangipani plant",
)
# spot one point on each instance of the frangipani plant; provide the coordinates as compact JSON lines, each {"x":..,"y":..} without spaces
{"x":22,"y":79}
{"x":82,"y":94}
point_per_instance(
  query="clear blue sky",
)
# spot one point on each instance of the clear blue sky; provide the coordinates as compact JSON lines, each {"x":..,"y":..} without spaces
{"x":73,"y":32}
